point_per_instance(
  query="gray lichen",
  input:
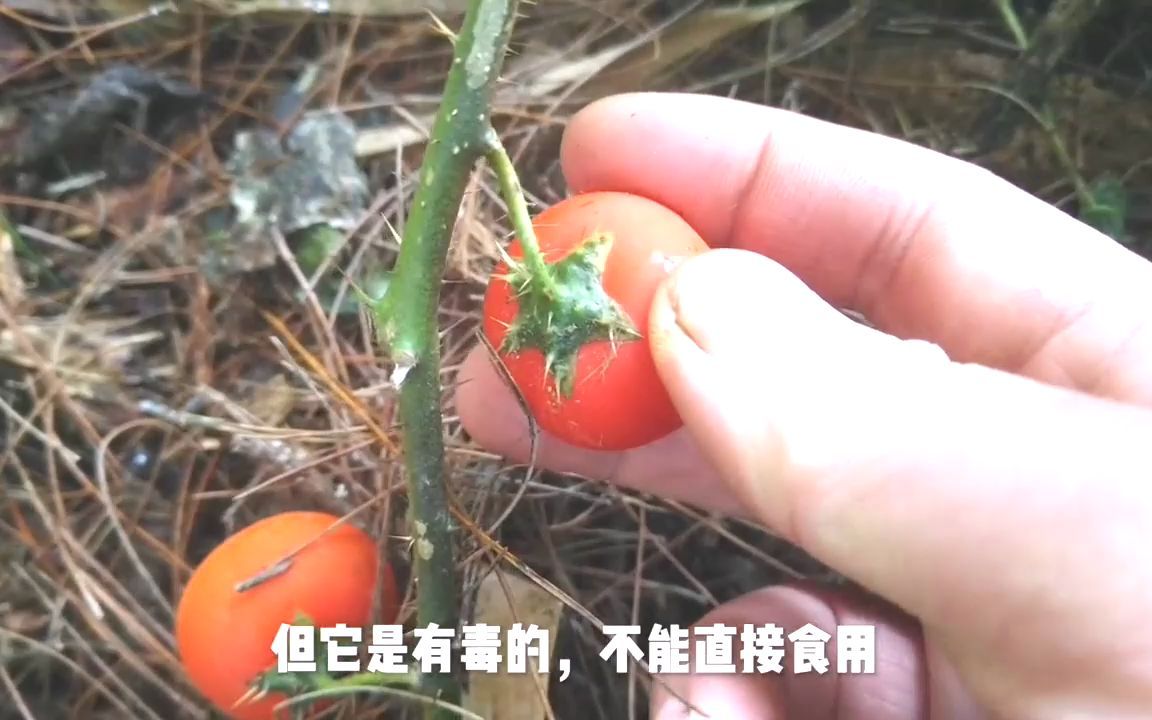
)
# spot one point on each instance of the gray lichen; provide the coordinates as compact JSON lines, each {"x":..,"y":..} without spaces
{"x":309,"y":178}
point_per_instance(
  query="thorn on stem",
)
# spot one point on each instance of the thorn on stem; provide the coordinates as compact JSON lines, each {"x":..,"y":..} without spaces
{"x":404,"y":364}
{"x":253,"y":694}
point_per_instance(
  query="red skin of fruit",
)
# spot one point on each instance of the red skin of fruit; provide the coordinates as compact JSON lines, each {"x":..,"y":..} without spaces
{"x":618,"y":402}
{"x":225,"y":638}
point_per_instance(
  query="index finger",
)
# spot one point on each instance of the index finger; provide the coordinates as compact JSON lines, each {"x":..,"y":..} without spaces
{"x":924,"y":245}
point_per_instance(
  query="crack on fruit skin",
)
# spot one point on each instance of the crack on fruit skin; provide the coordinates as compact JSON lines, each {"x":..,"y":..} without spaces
{"x":560,"y":320}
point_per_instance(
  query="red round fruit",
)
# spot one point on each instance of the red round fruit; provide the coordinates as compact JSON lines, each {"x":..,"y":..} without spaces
{"x":617,"y":400}
{"x":225,"y":637}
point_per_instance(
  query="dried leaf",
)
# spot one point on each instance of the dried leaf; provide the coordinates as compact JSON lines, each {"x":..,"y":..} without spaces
{"x":53,"y":9}
{"x":540,"y":72}
{"x":272,"y":401}
{"x":502,"y":600}
{"x":372,"y":8}
{"x":697,"y":32}
{"x":171,"y":18}
{"x":632,"y":65}
{"x":379,"y":140}
{"x":88,"y":10}
{"x":537,"y":72}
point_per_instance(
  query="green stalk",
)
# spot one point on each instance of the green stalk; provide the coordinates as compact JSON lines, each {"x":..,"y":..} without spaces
{"x":562,"y":305}
{"x":1012,"y":20}
{"x":407,"y":315}
{"x":521,"y":217}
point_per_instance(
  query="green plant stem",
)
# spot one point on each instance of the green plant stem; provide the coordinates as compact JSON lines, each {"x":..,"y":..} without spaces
{"x":1012,"y":20}
{"x":519,"y":214}
{"x":407,"y":315}
{"x":562,"y":306}
{"x":367,"y":679}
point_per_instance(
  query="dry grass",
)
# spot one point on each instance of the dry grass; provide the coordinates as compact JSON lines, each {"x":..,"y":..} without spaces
{"x":147,"y":408}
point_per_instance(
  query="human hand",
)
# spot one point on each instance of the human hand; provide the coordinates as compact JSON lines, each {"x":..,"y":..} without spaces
{"x":981,"y":459}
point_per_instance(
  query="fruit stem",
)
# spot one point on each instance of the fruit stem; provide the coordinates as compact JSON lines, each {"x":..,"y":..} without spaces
{"x":537,"y":269}
{"x":368,"y":679}
{"x":407,"y":315}
{"x":562,"y":305}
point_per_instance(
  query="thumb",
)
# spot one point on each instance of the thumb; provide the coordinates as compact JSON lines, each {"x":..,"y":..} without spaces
{"x":951,"y":489}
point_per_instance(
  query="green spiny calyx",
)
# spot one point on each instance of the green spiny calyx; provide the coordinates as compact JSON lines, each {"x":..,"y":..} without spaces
{"x":561,"y":313}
